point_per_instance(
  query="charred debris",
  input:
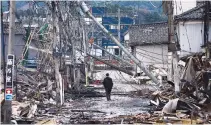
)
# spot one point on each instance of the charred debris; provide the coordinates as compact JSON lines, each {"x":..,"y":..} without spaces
{"x":41,"y":94}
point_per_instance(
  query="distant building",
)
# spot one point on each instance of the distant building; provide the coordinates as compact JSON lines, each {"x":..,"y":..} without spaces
{"x":110,"y":22}
{"x":149,"y":43}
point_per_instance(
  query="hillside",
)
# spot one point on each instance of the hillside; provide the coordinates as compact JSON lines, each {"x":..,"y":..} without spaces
{"x":142,"y":11}
{"x":153,"y":6}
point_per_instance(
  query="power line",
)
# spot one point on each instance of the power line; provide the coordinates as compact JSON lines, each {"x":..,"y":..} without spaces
{"x":151,"y":52}
{"x":185,"y":27}
{"x":156,"y":6}
{"x":152,"y":58}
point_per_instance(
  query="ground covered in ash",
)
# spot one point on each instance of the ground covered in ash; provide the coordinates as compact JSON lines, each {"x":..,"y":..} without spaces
{"x":97,"y":108}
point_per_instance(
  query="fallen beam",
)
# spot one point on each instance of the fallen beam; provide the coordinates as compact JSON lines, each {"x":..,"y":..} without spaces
{"x":121,"y":59}
{"x":75,"y":110}
{"x":113,"y":66}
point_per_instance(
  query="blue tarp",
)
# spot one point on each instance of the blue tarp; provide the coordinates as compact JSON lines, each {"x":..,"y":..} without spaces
{"x":98,"y":10}
{"x":114,"y":20}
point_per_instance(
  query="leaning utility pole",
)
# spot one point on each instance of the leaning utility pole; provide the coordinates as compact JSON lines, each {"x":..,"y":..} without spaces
{"x":10,"y":67}
{"x":138,"y":62}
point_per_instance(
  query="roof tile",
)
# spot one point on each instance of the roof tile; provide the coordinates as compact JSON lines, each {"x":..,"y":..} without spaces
{"x":156,"y":33}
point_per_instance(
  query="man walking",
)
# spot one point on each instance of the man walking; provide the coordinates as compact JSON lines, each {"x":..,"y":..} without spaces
{"x":108,"y":84}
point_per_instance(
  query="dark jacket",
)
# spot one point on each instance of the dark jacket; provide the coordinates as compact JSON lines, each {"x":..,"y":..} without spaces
{"x":108,"y":83}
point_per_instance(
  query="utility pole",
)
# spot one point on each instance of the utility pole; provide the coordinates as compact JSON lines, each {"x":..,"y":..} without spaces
{"x":119,"y":30}
{"x":139,"y":21}
{"x":138,"y":62}
{"x":1,"y":40}
{"x":56,"y":51}
{"x":85,"y":57}
{"x":206,"y":28}
{"x":10,"y":67}
{"x":175,"y":58}
{"x":3,"y":49}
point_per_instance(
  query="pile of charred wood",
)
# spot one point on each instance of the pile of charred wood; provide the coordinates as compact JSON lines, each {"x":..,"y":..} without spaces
{"x":194,"y":99}
{"x":34,"y":94}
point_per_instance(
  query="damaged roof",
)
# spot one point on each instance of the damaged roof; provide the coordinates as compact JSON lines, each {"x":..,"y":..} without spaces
{"x":196,"y":13}
{"x":19,"y":29}
{"x":146,"y":34}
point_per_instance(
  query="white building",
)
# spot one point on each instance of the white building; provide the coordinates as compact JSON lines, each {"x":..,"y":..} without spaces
{"x":149,"y":43}
{"x":181,"y":6}
{"x":190,"y":29}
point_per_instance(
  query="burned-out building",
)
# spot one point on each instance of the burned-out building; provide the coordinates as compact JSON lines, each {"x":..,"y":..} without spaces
{"x":19,"y":40}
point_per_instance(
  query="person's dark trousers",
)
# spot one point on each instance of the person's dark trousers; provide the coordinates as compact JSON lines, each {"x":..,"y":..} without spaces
{"x":108,"y":94}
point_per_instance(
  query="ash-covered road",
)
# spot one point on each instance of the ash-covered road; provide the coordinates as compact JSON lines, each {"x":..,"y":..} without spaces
{"x":121,"y":104}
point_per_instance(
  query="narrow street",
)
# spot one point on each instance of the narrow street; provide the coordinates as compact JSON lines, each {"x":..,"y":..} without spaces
{"x":121,"y":104}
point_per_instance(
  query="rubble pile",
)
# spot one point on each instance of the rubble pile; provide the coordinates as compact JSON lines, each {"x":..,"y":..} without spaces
{"x":194,"y":99}
{"x":34,"y":97}
{"x":34,"y":86}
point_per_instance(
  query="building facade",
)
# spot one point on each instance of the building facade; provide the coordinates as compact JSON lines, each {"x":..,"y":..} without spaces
{"x":190,"y":30}
{"x":149,"y":43}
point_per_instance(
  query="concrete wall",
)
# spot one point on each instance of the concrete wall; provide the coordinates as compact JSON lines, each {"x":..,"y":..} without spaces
{"x":156,"y":55}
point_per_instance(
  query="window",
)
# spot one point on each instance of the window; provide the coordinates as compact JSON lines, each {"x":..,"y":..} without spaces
{"x":113,"y":27}
{"x":116,"y":51}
